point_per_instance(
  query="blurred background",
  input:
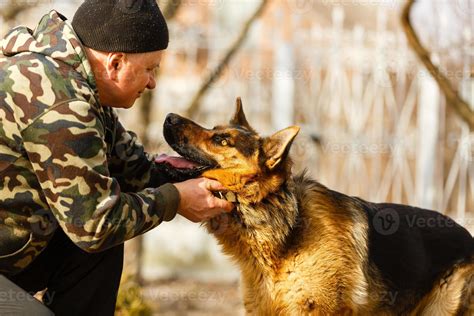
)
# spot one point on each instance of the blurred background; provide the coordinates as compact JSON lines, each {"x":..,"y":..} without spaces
{"x":383,"y":91}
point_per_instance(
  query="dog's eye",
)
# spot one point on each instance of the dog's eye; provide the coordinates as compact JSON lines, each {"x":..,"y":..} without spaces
{"x":220,"y":140}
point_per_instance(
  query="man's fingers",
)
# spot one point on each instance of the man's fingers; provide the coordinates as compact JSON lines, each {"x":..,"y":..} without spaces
{"x":224,"y":205}
{"x":213,"y":185}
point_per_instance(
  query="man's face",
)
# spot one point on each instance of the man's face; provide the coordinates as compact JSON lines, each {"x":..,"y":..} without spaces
{"x":128,"y":75}
{"x":137,"y":75}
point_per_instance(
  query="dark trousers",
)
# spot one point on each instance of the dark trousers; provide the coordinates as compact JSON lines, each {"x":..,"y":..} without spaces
{"x":79,"y":283}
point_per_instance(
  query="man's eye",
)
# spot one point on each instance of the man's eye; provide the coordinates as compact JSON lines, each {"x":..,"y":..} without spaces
{"x":153,"y":70}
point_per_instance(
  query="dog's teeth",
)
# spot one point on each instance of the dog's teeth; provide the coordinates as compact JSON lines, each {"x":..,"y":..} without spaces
{"x":230,"y":196}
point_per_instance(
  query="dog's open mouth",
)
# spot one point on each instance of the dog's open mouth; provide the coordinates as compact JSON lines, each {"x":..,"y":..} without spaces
{"x":180,"y":162}
{"x":183,"y":165}
{"x":190,"y":160}
{"x":181,"y":168}
{"x":191,"y":154}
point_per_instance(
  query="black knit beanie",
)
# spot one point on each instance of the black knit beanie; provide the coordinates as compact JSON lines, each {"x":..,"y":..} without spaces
{"x":128,"y":26}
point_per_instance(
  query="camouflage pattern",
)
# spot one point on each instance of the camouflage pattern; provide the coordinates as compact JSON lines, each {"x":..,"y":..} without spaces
{"x":66,"y":161}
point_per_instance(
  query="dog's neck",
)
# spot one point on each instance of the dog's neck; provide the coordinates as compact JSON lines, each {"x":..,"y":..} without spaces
{"x":257,"y":230}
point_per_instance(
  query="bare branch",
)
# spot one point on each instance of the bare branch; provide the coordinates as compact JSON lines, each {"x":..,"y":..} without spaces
{"x":452,"y":97}
{"x":215,"y":73}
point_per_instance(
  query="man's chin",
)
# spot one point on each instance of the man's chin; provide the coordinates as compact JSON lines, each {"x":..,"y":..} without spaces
{"x":119,"y":105}
{"x":124,"y":105}
{"x":128,"y":106}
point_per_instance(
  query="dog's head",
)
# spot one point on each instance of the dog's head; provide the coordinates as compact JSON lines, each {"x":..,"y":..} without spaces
{"x":234,"y":154}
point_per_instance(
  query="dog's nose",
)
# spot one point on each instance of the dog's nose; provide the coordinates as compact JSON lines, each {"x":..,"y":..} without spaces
{"x":173,"y":119}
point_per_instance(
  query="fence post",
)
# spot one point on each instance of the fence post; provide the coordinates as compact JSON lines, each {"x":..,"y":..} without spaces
{"x":283,"y":81}
{"x":428,"y":127}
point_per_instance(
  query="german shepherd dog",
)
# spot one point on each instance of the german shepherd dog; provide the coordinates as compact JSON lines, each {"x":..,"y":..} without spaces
{"x":304,"y":249}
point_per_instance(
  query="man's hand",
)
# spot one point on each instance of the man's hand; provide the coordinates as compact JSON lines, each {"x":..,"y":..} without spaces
{"x":197,"y":203}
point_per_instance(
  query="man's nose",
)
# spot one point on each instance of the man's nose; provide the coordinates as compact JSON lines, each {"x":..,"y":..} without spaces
{"x":151,"y":82}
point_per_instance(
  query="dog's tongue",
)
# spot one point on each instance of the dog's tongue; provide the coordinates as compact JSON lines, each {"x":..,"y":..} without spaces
{"x":177,"y":162}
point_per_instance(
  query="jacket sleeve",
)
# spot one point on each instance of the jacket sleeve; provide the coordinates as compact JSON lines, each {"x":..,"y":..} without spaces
{"x":68,"y":153}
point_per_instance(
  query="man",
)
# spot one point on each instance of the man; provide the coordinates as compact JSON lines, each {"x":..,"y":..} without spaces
{"x":74,"y":185}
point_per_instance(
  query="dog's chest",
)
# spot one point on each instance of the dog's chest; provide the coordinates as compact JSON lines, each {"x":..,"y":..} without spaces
{"x":295,"y":289}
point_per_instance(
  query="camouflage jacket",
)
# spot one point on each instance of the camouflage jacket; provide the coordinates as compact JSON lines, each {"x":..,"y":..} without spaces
{"x":65,"y":160}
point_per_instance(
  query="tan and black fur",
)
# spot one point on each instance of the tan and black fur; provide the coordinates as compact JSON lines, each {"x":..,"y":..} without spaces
{"x":304,"y":249}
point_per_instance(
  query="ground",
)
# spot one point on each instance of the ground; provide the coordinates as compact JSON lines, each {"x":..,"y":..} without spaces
{"x":193,"y":298}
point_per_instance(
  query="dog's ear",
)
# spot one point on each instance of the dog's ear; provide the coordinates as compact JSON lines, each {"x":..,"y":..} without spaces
{"x":276,"y":147}
{"x":239,"y":118}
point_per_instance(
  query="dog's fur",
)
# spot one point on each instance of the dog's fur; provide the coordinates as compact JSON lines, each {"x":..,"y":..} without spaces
{"x":306,"y":250}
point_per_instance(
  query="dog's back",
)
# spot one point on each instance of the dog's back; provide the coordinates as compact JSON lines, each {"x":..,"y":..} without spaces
{"x":423,"y":255}
{"x":416,"y":245}
{"x":403,"y":260}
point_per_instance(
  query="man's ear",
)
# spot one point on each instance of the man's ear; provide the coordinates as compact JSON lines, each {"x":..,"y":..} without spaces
{"x":239,"y":118}
{"x":276,"y":147}
{"x":115,"y":62}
